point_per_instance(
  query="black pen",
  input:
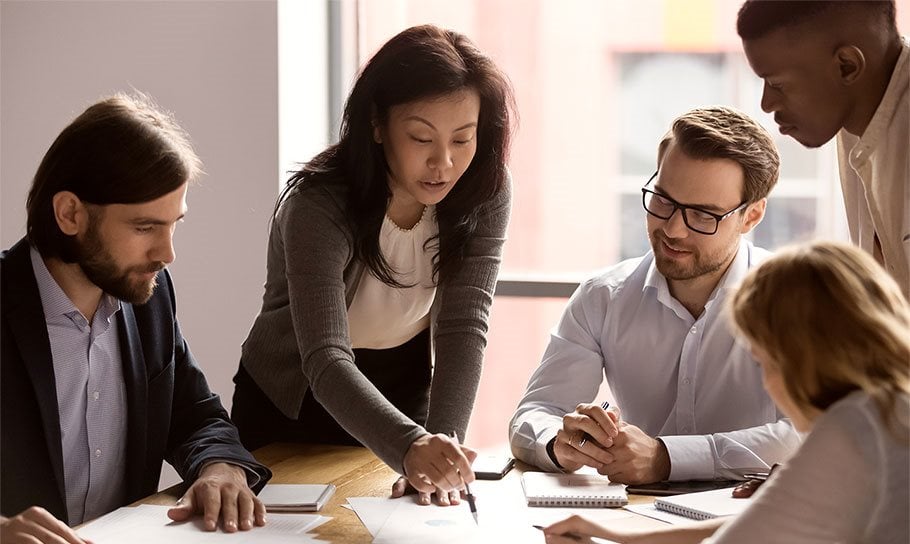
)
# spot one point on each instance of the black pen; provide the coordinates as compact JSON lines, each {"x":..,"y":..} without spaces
{"x":584,"y":439}
{"x":467,"y":491}
{"x":570,"y":536}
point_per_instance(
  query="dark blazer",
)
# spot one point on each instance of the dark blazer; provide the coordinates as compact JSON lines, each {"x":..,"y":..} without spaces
{"x":171,"y":414}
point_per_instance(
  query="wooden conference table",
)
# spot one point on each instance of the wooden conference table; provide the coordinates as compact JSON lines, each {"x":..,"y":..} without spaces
{"x":356,"y":472}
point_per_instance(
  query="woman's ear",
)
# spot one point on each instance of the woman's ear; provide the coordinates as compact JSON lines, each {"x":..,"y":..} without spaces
{"x":377,"y":133}
{"x":70,"y":213}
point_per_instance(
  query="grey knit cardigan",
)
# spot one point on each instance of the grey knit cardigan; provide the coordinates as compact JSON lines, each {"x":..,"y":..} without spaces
{"x":300,"y":338}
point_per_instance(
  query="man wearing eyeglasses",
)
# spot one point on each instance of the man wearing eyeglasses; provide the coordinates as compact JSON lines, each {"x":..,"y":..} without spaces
{"x":690,"y":396}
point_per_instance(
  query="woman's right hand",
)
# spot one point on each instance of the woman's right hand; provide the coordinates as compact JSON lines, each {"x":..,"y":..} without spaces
{"x":437,"y":462}
{"x":576,"y":529}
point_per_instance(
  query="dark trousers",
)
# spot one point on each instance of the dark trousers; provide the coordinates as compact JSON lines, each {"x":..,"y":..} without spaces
{"x":402,"y":374}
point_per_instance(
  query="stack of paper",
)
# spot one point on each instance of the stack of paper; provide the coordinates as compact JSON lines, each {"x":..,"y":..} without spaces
{"x":148,"y":524}
{"x":296,"y":497}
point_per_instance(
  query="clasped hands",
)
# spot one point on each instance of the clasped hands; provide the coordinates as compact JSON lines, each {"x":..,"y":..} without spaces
{"x":436,"y":464}
{"x":615,"y":448}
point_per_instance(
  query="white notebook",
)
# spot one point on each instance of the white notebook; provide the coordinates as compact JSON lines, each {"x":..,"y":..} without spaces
{"x":545,"y":489}
{"x":703,"y":505}
{"x":295,"y":497}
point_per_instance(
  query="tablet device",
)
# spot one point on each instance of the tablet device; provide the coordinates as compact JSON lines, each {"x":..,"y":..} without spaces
{"x":492,"y":467}
{"x":678,"y":488}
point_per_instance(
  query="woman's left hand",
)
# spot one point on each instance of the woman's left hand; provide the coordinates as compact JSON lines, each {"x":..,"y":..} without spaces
{"x":444,"y":498}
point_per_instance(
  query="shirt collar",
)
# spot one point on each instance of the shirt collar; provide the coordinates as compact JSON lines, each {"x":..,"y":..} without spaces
{"x":877,"y":129}
{"x":730,"y":280}
{"x":55,"y":302}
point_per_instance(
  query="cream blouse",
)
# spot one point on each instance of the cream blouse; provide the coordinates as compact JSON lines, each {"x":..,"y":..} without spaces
{"x":382,"y":316}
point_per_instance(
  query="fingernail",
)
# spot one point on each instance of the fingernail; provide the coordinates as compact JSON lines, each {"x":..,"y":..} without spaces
{"x":231,"y":525}
{"x":424,"y":500}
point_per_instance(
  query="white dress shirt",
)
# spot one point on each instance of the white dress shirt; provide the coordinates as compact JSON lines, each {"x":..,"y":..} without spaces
{"x":847,"y":483}
{"x":688,"y":381}
{"x":875,"y":177}
{"x":91,"y":398}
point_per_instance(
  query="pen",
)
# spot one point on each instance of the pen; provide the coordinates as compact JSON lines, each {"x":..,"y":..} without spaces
{"x":584,"y":439}
{"x":570,"y":536}
{"x":467,"y":491}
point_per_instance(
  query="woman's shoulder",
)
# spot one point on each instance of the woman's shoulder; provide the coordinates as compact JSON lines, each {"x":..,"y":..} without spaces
{"x":312,"y":195}
{"x":860,"y":416}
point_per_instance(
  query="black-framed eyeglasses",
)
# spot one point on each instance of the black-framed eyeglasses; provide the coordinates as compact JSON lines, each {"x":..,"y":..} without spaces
{"x":697,"y":219}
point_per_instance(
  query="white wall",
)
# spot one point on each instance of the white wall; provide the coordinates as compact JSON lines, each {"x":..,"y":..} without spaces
{"x":215,"y":65}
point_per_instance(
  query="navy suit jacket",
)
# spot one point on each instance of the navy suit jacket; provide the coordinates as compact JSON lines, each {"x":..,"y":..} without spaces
{"x":171,"y":412}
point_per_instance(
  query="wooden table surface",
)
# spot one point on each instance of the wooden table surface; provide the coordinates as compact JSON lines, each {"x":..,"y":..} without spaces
{"x":356,"y":472}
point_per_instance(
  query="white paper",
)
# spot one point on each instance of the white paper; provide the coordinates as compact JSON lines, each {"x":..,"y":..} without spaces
{"x":150,"y":524}
{"x":372,"y":511}
{"x":299,"y":496}
{"x":651,"y":511}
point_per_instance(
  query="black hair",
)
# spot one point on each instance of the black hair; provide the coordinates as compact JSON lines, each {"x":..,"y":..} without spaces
{"x":422,"y":62}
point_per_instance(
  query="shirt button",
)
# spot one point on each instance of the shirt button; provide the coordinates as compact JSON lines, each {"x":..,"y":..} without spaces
{"x":685,"y":429}
{"x":687,"y":381}
{"x":97,"y":453}
{"x":693,"y":330}
{"x":96,"y":395}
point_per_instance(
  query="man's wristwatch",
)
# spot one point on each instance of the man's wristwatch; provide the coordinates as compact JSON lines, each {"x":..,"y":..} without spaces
{"x":552,"y":454}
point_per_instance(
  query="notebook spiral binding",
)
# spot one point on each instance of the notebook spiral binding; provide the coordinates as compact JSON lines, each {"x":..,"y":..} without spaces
{"x":576,"y":501}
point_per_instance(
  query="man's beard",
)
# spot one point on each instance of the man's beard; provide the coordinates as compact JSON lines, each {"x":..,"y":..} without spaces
{"x":673,"y":270}
{"x":99,"y":267}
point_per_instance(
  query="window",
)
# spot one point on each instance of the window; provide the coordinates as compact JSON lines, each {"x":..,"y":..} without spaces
{"x":597,"y":83}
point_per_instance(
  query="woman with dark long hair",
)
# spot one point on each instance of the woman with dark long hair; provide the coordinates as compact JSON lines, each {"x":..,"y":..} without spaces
{"x":382,"y":261}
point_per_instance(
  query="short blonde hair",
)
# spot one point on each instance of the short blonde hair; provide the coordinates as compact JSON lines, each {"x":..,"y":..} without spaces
{"x":833,"y":321}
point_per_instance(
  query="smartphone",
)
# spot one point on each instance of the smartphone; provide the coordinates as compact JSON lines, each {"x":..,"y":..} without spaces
{"x":492,"y":467}
{"x":678,"y":488}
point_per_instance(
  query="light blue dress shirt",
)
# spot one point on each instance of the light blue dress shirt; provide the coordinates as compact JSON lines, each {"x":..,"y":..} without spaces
{"x":91,"y":398}
{"x":687,"y":380}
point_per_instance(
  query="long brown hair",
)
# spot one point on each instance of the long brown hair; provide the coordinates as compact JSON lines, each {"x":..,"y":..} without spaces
{"x":121,"y":150}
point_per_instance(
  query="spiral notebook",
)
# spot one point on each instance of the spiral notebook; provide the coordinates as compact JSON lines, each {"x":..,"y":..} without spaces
{"x":703,"y":505}
{"x":545,"y":489}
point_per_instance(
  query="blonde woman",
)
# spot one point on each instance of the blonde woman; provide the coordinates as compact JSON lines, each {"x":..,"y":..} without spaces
{"x":831,"y":332}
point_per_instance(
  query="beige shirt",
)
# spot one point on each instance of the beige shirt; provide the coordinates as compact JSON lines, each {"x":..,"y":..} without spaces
{"x":875,"y":177}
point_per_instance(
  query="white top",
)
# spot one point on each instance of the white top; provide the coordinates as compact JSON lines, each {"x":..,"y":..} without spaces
{"x":875,"y":177}
{"x":382,"y":316}
{"x":847,"y":483}
{"x":686,"y":380}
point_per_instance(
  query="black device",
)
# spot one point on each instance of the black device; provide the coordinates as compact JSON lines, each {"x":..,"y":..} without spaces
{"x":678,"y":488}
{"x":492,"y":467}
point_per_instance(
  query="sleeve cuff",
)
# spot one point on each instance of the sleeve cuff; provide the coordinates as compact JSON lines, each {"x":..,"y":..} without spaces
{"x":690,"y":457}
{"x":252,"y":477}
{"x":547,"y":461}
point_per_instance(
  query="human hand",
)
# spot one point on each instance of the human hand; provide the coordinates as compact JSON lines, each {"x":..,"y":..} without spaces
{"x":637,"y":458}
{"x":402,"y":487}
{"x":436,"y":463}
{"x":37,"y":525}
{"x":601,"y":426}
{"x":221,"y":490}
{"x":576,"y":529}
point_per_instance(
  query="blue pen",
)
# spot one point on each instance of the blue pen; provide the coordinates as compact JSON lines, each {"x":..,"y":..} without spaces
{"x":584,"y":439}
